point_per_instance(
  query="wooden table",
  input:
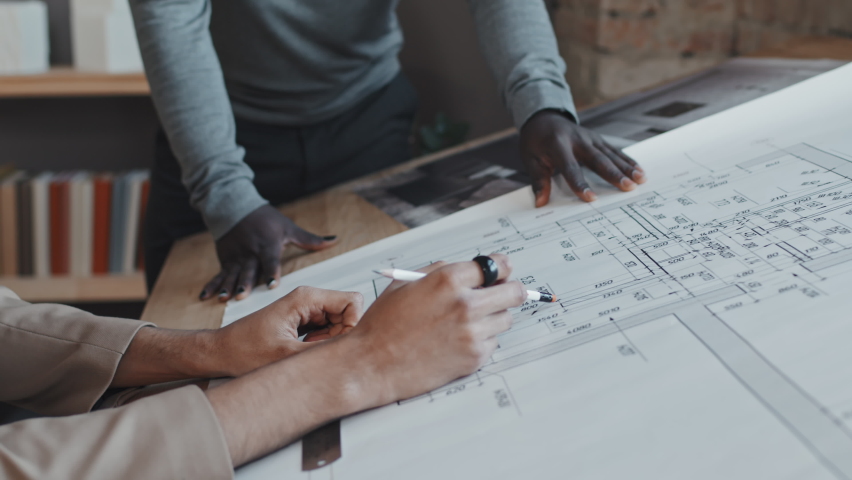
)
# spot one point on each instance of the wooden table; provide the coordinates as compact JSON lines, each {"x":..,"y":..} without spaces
{"x":192,"y":262}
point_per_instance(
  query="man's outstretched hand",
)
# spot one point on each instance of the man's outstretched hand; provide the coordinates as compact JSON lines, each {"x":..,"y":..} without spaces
{"x":251,"y":252}
{"x":552,"y":143}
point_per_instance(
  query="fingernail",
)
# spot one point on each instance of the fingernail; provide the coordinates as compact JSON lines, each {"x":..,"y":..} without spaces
{"x":202,"y":294}
{"x":271,"y":283}
{"x":590,"y":195}
{"x":330,"y":238}
{"x":627,"y":184}
{"x":241,"y":289}
{"x":223,"y":293}
{"x":638,"y":175}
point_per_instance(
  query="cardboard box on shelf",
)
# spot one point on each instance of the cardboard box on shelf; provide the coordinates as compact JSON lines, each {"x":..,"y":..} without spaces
{"x":23,"y":37}
{"x":103,"y":37}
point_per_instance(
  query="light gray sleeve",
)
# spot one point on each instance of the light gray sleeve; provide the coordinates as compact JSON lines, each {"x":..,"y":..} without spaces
{"x":189,"y":92}
{"x":517,"y":39}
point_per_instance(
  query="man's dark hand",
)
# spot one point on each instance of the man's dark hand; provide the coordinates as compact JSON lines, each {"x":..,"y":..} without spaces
{"x":251,"y":251}
{"x":552,"y":143}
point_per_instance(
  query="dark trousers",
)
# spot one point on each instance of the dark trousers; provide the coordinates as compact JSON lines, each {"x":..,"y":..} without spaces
{"x":288,"y":163}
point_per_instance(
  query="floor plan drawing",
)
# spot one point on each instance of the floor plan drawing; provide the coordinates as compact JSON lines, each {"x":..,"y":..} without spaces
{"x":702,"y":328}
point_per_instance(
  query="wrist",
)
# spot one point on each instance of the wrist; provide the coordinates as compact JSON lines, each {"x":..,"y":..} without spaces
{"x":210,"y":357}
{"x":361,"y":384}
{"x":552,"y":113}
{"x":217,"y":356}
{"x":202,"y":355}
{"x":227,"y":207}
{"x":158,"y":355}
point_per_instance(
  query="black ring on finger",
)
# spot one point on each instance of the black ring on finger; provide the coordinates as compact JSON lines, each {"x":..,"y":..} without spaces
{"x":489,"y":269}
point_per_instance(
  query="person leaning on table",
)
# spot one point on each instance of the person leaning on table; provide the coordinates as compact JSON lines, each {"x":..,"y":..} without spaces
{"x":266,"y":101}
{"x":59,"y":361}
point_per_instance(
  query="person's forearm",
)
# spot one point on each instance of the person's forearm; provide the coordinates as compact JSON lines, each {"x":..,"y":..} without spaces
{"x":188,"y":89}
{"x":275,"y":405}
{"x":402,"y":347}
{"x":159,"y":355}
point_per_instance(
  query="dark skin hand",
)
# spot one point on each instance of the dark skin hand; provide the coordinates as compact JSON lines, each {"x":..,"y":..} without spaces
{"x":251,"y":252}
{"x":552,"y":143}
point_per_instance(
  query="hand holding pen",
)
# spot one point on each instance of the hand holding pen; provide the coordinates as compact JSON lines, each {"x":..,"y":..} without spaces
{"x":487,"y":265}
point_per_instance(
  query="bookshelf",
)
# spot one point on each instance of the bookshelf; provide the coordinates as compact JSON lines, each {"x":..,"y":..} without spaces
{"x":102,"y":288}
{"x":67,"y":82}
{"x":82,"y":227}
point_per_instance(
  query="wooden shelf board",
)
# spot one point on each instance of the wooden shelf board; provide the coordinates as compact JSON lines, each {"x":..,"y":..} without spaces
{"x":67,"y":82}
{"x":101,"y":288}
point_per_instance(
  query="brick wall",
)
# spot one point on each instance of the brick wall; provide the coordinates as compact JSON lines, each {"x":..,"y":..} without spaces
{"x":614,"y":47}
{"x":769,"y":23}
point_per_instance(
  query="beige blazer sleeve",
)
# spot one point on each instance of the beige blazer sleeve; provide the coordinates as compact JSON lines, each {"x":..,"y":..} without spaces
{"x":55,"y":359}
{"x":58,"y":360}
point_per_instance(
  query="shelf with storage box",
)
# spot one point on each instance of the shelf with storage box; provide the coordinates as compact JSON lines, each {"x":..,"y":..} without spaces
{"x":68,"y":82}
{"x":70,"y":236}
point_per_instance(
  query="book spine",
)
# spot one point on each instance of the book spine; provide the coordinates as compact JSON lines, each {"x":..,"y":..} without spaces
{"x":131,"y":226}
{"x":143,"y":210}
{"x":59,"y":214}
{"x":86,"y":226}
{"x":41,"y":225}
{"x":101,"y":227}
{"x":116,"y":241}
{"x":8,"y":228}
{"x":75,"y":237}
{"x":25,"y":228}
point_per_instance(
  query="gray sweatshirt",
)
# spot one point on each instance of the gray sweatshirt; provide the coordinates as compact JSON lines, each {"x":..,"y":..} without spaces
{"x":300,"y":62}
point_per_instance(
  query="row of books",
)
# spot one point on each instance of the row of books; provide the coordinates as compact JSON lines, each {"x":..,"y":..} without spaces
{"x":71,"y":223}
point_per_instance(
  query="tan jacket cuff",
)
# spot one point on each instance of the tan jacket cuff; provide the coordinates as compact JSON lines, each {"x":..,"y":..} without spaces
{"x":172,"y":435}
{"x":55,"y":359}
{"x":181,"y":435}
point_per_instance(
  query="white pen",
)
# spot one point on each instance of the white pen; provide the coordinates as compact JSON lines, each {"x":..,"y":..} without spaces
{"x":409,"y":276}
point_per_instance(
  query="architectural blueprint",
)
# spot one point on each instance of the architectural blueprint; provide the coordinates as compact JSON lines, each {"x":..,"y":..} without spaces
{"x":703,"y":327}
